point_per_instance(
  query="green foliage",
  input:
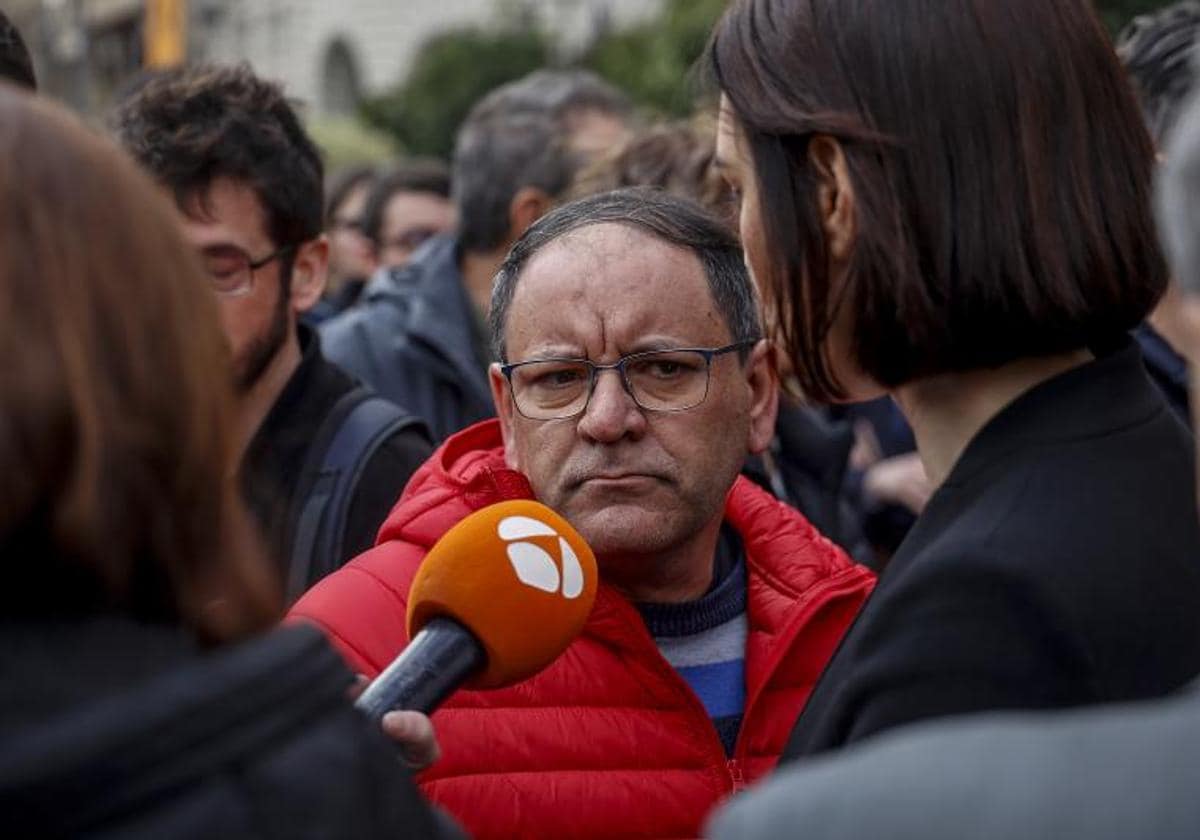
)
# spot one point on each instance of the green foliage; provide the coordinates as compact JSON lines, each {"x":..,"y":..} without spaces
{"x":345,"y":142}
{"x":652,"y":62}
{"x":450,"y":73}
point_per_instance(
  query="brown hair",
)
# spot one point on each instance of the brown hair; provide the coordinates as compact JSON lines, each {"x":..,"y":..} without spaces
{"x":191,"y":125}
{"x":115,"y":402}
{"x":676,"y":157}
{"x":418,"y":175}
{"x":1000,"y":169}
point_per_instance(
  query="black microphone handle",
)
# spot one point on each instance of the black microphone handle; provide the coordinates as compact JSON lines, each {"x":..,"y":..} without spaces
{"x":440,"y":658}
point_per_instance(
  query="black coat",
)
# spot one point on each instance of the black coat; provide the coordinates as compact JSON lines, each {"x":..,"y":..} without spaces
{"x":414,"y":337}
{"x":277,"y":486}
{"x":114,"y":729}
{"x":1058,"y":565}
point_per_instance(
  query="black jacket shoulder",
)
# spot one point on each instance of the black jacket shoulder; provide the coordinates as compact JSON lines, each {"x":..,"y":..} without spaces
{"x":412,"y":338}
{"x":1057,"y":566}
{"x":255,"y":742}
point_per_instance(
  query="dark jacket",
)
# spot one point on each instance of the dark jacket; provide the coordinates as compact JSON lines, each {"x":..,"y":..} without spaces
{"x":1058,"y":565}
{"x":1168,"y":370}
{"x":806,"y":467}
{"x":276,"y":456}
{"x":414,"y":338}
{"x":116,"y":729}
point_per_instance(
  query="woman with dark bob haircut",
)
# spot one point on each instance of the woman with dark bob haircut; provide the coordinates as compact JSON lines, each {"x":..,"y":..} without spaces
{"x":949,"y":202}
{"x":139,"y":696}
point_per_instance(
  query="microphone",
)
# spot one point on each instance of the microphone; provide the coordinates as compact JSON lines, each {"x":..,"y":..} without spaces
{"x":496,"y":600}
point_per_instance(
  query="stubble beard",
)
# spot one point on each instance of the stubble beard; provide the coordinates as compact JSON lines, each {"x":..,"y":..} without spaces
{"x":263,"y":350}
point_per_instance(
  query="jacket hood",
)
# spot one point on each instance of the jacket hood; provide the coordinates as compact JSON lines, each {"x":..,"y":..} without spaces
{"x":464,"y":474}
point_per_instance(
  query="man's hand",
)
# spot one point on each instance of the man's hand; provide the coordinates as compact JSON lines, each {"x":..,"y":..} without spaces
{"x":413,"y":733}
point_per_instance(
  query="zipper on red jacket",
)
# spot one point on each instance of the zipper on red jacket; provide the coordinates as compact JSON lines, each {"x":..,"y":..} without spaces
{"x":839,"y":585}
{"x":639,"y":635}
{"x":737,"y":780}
{"x":734,"y":767}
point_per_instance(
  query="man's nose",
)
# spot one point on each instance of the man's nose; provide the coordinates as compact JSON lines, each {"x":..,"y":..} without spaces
{"x":611,"y":412}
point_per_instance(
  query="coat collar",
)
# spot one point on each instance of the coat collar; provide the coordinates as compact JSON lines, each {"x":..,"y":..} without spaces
{"x":1094,"y":399}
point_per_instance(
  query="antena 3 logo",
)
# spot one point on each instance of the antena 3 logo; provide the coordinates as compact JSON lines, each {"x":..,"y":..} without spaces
{"x":533,"y":564}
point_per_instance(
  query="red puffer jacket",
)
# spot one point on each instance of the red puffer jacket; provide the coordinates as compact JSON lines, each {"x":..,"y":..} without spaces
{"x":609,"y":741}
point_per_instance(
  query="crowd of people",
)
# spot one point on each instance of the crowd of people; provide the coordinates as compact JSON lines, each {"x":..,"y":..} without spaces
{"x":868,"y":387}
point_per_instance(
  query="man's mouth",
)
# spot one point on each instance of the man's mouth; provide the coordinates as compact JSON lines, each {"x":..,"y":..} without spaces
{"x":619,"y":478}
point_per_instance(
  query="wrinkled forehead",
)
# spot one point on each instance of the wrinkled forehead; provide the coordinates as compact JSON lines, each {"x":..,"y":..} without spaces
{"x":609,"y":288}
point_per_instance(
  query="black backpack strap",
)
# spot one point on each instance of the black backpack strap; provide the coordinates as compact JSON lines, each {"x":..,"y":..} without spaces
{"x":357,"y":425}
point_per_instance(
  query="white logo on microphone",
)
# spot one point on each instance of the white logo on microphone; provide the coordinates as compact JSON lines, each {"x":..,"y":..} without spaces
{"x":533,"y":564}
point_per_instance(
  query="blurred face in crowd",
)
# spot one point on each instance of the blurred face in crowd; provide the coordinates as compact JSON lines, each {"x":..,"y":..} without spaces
{"x":351,"y":255}
{"x":635,"y":482}
{"x":594,"y":132}
{"x":409,"y":220}
{"x":227,"y":225}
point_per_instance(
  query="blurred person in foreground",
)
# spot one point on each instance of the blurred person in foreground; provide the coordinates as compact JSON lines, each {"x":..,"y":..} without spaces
{"x":351,"y":255}
{"x":419,"y":334}
{"x":409,"y":205}
{"x":806,"y":462}
{"x":1120,"y":772}
{"x":15,"y":64}
{"x":980,"y":252}
{"x":142,"y":694}
{"x":633,"y":381}
{"x":322,"y":458}
{"x":1159,"y":52}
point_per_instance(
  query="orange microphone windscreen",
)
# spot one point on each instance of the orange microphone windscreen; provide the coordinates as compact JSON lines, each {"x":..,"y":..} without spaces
{"x":515,"y":574}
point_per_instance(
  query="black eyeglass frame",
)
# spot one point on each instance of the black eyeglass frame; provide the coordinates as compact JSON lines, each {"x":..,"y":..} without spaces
{"x":253,"y":266}
{"x":594,"y":370}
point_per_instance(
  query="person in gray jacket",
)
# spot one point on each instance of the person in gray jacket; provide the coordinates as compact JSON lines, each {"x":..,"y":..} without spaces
{"x":417,"y":335}
{"x":1123,"y":771}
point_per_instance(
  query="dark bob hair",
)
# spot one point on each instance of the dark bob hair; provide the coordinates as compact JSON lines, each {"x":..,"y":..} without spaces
{"x":1000,"y":168}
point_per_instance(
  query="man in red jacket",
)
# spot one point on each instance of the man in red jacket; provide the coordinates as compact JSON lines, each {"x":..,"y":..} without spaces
{"x":633,"y":382}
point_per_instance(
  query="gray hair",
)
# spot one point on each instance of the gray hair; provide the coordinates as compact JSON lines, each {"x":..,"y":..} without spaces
{"x":516,"y":137}
{"x":677,"y":221}
{"x":1178,"y":198}
{"x":1158,"y":50}
{"x":559,"y":93}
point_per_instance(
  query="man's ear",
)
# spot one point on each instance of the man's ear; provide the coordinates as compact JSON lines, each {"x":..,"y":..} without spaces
{"x":504,"y":411}
{"x":835,"y":196}
{"x":527,"y":206}
{"x":762,"y":378}
{"x":310,"y":271}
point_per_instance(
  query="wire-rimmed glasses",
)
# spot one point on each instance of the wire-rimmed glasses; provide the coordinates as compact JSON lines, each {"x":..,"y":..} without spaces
{"x":657,"y":380}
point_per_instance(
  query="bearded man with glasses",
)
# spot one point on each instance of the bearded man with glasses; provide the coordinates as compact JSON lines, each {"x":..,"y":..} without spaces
{"x":634,"y":380}
{"x":323,"y":460}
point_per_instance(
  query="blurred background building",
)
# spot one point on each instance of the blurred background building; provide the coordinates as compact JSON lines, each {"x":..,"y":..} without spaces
{"x":330,"y":55}
{"x":376,"y":78}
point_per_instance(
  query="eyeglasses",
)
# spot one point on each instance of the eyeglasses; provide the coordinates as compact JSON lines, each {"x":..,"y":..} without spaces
{"x":658,"y":380}
{"x":347,"y":224}
{"x":410,"y":240}
{"x":231,"y":271}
